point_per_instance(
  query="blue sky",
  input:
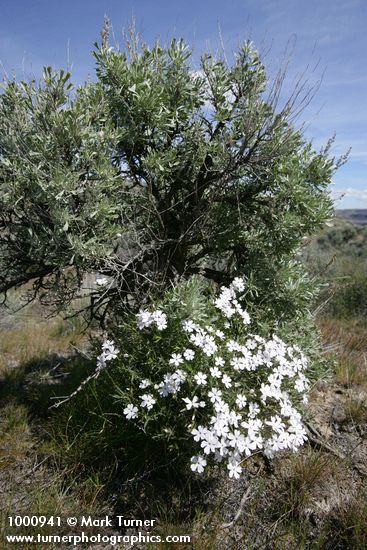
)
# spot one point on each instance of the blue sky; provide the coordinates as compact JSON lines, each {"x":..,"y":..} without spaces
{"x":328,"y":34}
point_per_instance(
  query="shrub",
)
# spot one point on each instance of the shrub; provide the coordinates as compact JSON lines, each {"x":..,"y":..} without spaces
{"x":156,"y":171}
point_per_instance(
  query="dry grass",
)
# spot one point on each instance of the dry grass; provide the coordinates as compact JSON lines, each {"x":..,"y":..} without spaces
{"x":355,"y":407}
{"x":36,"y":339}
{"x":31,"y":480}
{"x":15,"y":434}
{"x":299,"y":476}
{"x":348,"y":373}
{"x":346,"y":526}
{"x":347,"y":342}
{"x":352,"y":334}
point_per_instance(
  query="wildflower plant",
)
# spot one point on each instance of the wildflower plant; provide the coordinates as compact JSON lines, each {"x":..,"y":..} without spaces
{"x":213,"y":389}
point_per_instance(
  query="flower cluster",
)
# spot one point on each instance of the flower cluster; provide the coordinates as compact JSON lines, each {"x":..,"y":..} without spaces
{"x":109,"y":352}
{"x":145,"y":319}
{"x":238,"y":391}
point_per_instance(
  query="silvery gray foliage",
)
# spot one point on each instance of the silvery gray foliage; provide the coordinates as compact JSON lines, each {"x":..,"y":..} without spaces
{"x":156,"y":171}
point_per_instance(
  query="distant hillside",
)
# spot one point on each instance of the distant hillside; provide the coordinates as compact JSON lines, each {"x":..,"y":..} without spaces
{"x":358,"y":216}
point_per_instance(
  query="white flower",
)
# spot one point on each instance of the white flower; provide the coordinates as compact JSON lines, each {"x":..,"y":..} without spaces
{"x":239,"y":363}
{"x":147,"y":401}
{"x":198,"y":464}
{"x":223,"y":302}
{"x":234,"y":418}
{"x":179,"y":376}
{"x":215,"y":372}
{"x":219,"y":361}
{"x":144,"y":319}
{"x":253,"y":425}
{"x":215,"y":395}
{"x":301,"y":383}
{"x":210,"y":443}
{"x":221,"y":407}
{"x":251,"y":344}
{"x":245,"y":316}
{"x":193,"y":403}
{"x":171,"y":383}
{"x":254,"y":410}
{"x":130,"y":411}
{"x":222,"y":449}
{"x":276,"y":424}
{"x":209,"y":346}
{"x":189,"y":326}
{"x":189,"y":354}
{"x":237,"y":440}
{"x":220,"y":334}
{"x":238,"y":284}
{"x":226,"y":380}
{"x":176,"y":359}
{"x":145,"y":384}
{"x":101,"y":362}
{"x":234,"y":469}
{"x":220,"y":427}
{"x":241,"y":401}
{"x":109,"y":352}
{"x":199,"y":433}
{"x":160,"y":319}
{"x":200,"y":379}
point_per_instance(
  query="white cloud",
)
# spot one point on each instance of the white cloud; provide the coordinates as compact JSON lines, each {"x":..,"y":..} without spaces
{"x":349,"y":193}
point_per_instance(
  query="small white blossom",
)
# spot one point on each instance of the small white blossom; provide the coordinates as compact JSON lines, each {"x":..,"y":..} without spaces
{"x":193,"y":403}
{"x":160,"y":319}
{"x":188,"y":326}
{"x":238,"y":284}
{"x":199,"y":433}
{"x":214,"y":395}
{"x":227,"y":380}
{"x":215,"y":372}
{"x":198,"y":464}
{"x":130,"y":411}
{"x":176,"y":359}
{"x":109,"y":352}
{"x":201,"y":379}
{"x":179,"y":375}
{"x":210,"y":443}
{"x":241,"y":401}
{"x":147,"y":401}
{"x":189,"y":354}
{"x":234,"y":470}
{"x":144,"y":319}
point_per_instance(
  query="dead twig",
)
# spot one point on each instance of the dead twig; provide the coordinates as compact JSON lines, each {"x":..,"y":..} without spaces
{"x":316,"y":440}
{"x":239,"y":512}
